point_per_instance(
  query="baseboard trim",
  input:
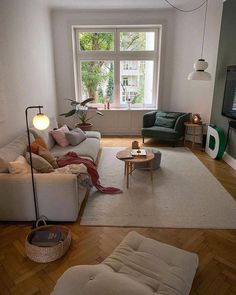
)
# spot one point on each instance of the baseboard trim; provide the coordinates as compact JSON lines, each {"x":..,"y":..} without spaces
{"x":229,"y":160}
{"x":120,"y":133}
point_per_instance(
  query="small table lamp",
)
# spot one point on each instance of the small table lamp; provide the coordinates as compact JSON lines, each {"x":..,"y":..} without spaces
{"x":40,"y":122}
{"x":196,"y":119}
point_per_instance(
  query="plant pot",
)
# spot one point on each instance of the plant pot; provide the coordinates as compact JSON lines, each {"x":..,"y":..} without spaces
{"x":84,"y":126}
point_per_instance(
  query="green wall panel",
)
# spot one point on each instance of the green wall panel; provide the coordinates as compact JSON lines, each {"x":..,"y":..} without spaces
{"x":226,"y":57}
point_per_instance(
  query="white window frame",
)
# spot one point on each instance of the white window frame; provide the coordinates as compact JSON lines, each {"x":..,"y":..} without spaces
{"x":117,"y":55}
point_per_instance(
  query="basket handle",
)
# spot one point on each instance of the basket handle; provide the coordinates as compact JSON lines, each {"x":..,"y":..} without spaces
{"x":42,"y":219}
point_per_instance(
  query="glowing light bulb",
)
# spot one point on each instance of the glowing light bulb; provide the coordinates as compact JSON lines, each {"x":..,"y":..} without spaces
{"x":41,"y":122}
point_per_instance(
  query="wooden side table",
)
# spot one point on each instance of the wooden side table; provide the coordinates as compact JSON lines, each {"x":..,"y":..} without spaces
{"x":129,"y":162}
{"x":194,"y":127}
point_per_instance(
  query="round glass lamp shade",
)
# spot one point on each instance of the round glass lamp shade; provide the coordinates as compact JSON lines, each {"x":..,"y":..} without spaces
{"x":199,"y":74}
{"x":41,"y":122}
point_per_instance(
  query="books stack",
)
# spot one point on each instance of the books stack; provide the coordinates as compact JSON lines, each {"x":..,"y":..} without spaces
{"x":46,"y":238}
{"x":125,"y":157}
{"x":138,"y":152}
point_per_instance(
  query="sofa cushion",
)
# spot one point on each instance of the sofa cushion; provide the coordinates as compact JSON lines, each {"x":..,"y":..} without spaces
{"x":79,"y":130}
{"x":164,"y":122}
{"x":19,"y":166}
{"x":163,"y":132}
{"x":75,"y":136}
{"x":39,"y":163}
{"x":170,"y":115}
{"x":46,"y":154}
{"x":93,"y":134}
{"x":166,"y":119}
{"x":39,"y":141}
{"x":60,"y":136}
{"x":87,"y":148}
{"x":163,"y":268}
{"x":97,"y":280}
{"x":138,"y":266}
{"x":12,"y":150}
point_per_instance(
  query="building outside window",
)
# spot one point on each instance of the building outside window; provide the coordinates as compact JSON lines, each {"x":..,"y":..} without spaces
{"x":125,"y":81}
{"x":117,"y":64}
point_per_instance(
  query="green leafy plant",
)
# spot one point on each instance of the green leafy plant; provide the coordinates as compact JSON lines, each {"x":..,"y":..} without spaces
{"x":81,"y":110}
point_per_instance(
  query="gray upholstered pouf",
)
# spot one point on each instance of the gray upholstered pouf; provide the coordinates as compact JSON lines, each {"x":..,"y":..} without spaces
{"x":138,"y":266}
{"x":156,"y":162}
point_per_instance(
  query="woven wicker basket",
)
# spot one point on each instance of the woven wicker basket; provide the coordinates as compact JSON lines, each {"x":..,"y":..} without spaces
{"x":48,"y":254}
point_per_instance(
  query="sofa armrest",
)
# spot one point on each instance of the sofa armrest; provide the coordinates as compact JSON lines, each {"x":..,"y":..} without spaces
{"x":58,"y":197}
{"x":57,"y":194}
{"x":179,"y":124}
{"x":16,"y":197}
{"x":149,"y":119}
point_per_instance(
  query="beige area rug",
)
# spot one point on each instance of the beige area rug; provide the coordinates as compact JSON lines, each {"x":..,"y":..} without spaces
{"x":184,"y":194}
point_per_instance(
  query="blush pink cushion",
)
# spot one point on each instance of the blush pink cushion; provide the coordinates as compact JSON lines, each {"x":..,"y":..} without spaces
{"x":60,"y":136}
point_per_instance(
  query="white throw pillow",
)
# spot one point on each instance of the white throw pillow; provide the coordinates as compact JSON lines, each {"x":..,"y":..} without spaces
{"x":19,"y":166}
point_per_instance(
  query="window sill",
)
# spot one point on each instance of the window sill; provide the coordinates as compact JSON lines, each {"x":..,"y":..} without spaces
{"x":127,"y":109}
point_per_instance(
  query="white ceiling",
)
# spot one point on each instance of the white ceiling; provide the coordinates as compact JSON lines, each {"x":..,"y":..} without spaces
{"x":120,"y":4}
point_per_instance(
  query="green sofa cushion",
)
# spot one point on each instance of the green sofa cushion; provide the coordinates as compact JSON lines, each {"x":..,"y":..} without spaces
{"x":166,"y":119}
{"x":164,"y":122}
{"x":171,"y":115}
{"x":161,"y":132}
{"x":174,"y":115}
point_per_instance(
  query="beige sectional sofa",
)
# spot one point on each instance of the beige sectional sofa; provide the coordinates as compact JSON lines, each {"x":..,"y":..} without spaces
{"x":59,"y":195}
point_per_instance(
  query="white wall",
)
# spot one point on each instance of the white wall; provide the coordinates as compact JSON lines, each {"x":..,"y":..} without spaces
{"x":26,"y":64}
{"x":181,"y":47}
{"x":62,"y":21}
{"x":26,"y":59}
{"x":194,"y":96}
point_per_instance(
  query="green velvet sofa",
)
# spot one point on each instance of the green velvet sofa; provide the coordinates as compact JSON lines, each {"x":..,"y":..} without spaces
{"x":164,"y":126}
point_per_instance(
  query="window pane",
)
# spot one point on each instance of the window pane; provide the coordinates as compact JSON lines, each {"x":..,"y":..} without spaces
{"x":137,"y":41}
{"x":97,"y":80}
{"x":96,"y":41}
{"x":136,"y":78}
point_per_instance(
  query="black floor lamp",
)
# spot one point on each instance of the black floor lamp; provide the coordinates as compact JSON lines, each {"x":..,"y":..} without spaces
{"x":40,"y":122}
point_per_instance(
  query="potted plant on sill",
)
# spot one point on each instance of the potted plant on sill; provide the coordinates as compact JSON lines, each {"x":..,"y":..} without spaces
{"x":81,"y":110}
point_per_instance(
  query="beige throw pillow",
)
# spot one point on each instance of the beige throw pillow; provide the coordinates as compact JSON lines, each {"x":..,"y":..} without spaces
{"x":19,"y":166}
{"x":39,"y":163}
{"x":44,"y":153}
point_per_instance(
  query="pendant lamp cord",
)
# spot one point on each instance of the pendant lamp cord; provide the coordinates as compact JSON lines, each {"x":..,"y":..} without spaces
{"x":204,"y":28}
{"x":190,"y":10}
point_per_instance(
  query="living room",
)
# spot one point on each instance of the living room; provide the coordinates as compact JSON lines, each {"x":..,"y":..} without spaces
{"x":189,"y":200}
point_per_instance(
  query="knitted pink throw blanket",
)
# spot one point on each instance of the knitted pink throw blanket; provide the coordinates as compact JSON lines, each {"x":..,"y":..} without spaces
{"x":73,"y":158}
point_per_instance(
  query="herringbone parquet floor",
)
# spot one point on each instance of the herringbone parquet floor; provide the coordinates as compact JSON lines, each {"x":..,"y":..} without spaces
{"x":216,"y":274}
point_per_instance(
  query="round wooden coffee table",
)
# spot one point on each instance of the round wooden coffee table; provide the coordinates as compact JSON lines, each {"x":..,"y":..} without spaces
{"x":125,"y":156}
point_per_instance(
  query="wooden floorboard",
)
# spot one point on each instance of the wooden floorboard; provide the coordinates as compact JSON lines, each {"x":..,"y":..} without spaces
{"x":90,"y":245}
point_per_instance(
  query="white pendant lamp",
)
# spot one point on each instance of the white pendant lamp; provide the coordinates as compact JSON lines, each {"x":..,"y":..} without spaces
{"x":200,"y":74}
{"x":201,"y":65}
